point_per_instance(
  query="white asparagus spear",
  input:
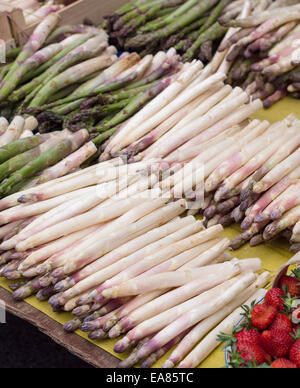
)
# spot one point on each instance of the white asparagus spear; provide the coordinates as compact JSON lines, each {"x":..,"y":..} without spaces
{"x":81,"y":179}
{"x":173,"y":279}
{"x":70,"y":163}
{"x":203,"y":328}
{"x":116,"y":242}
{"x":108,"y":74}
{"x":289,"y":219}
{"x":77,"y":258}
{"x":170,"y":124}
{"x":169,"y":252}
{"x":4,"y":230}
{"x":209,"y":255}
{"x":3,"y":125}
{"x":296,"y":230}
{"x":48,"y":250}
{"x":13,"y":131}
{"x":88,"y":251}
{"x":219,"y":58}
{"x":23,"y":211}
{"x":157,"y":61}
{"x":229,"y":166}
{"x":31,"y":123}
{"x":218,"y":154}
{"x":287,"y":200}
{"x":26,"y":134}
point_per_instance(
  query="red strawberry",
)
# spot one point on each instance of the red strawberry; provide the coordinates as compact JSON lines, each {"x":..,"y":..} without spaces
{"x":262,"y":316}
{"x":282,"y":363}
{"x":291,"y":284}
{"x":248,"y":337}
{"x":277,"y":342}
{"x":253,"y":353}
{"x":295,"y":349}
{"x":274,"y":298}
{"x":282,"y":322}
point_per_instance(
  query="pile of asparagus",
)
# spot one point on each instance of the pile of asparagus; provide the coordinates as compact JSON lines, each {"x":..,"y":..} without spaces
{"x":70,"y":78}
{"x":191,"y":26}
{"x":33,"y":10}
{"x":89,"y":240}
{"x":262,"y":52}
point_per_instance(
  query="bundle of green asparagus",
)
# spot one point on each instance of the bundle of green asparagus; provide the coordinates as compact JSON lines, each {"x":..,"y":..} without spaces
{"x":191,"y":26}
{"x":27,"y":160}
{"x":262,"y":52}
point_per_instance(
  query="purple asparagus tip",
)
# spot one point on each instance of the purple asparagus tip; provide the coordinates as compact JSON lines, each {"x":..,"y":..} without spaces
{"x":97,"y":334}
{"x":88,"y":326}
{"x":72,"y":326}
{"x":23,"y":292}
{"x":247,"y":222}
{"x":261,"y":218}
{"x":122,"y":345}
{"x":82,"y":310}
{"x":168,"y":365}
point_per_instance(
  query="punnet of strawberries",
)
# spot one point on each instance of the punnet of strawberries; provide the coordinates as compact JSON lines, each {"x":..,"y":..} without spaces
{"x":269,"y":335}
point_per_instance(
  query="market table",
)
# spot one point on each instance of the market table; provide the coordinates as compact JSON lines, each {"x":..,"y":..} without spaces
{"x":100,"y":354}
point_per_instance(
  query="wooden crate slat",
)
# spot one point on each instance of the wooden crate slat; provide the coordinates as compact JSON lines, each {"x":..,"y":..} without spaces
{"x":77,"y":12}
{"x":5,"y":29}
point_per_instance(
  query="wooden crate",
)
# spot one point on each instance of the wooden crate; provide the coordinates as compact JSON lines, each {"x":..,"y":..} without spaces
{"x":76,"y":13}
{"x":6,"y":34}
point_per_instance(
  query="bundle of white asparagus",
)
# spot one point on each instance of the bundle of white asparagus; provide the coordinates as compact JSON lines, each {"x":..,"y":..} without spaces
{"x":19,"y":128}
{"x":260,"y":52}
{"x":89,"y":240}
{"x":258,"y":186}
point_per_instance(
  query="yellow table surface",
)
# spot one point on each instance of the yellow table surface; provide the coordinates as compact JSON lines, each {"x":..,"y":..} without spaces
{"x":272,"y":254}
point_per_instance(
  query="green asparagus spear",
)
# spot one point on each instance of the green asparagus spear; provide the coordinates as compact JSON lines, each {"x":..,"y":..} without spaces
{"x":54,"y":66}
{"x":180,"y":22}
{"x":170,"y":18}
{"x":135,"y":105}
{"x":19,"y":146}
{"x":216,"y":31}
